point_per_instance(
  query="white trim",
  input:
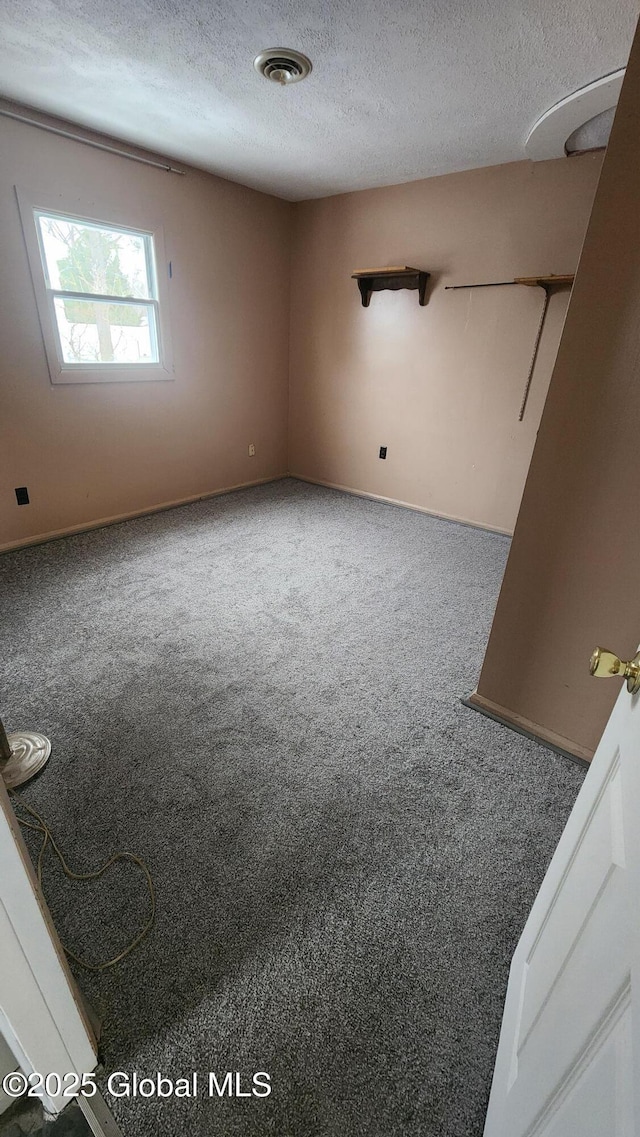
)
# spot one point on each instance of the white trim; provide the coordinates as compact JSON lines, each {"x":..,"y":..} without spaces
{"x":118,"y":518}
{"x":403,"y":505}
{"x":549,"y":134}
{"x":31,"y":203}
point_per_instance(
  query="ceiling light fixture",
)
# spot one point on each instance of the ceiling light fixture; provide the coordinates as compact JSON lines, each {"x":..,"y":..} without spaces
{"x":282,"y":65}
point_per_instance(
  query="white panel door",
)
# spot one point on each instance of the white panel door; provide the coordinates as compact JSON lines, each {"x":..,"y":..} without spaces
{"x":568,"y":1061}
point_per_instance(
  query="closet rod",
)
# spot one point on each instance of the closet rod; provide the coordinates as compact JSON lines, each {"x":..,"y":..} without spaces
{"x":89,"y":142}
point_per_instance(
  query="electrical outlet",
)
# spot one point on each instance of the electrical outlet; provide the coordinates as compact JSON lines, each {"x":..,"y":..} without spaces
{"x":22,"y":495}
{"x":383,"y":451}
{"x":252,"y":450}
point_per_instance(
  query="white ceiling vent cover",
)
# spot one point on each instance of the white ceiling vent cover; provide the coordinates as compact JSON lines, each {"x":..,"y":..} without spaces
{"x":282,"y":65}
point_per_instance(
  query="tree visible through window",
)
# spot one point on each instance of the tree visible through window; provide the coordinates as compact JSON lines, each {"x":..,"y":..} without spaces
{"x":103,"y":290}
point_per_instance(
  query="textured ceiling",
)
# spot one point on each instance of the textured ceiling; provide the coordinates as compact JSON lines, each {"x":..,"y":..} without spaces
{"x":399,"y":90}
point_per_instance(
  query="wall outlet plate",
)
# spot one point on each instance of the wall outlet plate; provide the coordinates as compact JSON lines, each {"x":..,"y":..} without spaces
{"x":252,"y":450}
{"x":383,"y":451}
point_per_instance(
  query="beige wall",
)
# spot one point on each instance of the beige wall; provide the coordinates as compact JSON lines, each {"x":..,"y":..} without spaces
{"x":441,"y":386}
{"x":95,"y":451}
{"x":572,"y":576}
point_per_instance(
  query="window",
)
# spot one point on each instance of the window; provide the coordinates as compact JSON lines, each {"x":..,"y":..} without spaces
{"x":86,"y":267}
{"x":97,"y":288}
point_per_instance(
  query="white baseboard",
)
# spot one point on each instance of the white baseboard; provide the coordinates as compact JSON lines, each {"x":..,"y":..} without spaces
{"x":530,"y":729}
{"x":403,"y":504}
{"x":102,"y":522}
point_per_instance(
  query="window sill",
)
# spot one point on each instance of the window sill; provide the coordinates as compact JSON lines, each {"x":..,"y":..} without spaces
{"x":120,"y":373}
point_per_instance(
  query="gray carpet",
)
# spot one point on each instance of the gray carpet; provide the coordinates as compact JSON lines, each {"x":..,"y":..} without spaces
{"x":259,"y":694}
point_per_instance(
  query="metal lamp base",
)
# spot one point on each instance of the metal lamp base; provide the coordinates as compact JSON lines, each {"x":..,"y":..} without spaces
{"x":29,"y":753}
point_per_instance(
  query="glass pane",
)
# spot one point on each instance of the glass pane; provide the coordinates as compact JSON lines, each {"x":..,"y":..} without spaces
{"x":93,"y":331}
{"x":92,"y":258}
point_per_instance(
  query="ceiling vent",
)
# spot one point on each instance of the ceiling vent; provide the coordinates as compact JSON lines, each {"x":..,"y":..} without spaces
{"x":283,"y":66}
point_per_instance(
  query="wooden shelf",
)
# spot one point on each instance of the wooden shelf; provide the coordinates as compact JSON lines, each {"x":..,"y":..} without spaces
{"x":392,"y":277}
{"x":560,"y":281}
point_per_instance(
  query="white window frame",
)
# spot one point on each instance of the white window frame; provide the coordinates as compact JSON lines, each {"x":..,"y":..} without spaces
{"x":126,"y":220}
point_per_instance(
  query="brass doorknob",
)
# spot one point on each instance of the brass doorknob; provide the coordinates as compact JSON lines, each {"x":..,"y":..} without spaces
{"x":604,"y":664}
